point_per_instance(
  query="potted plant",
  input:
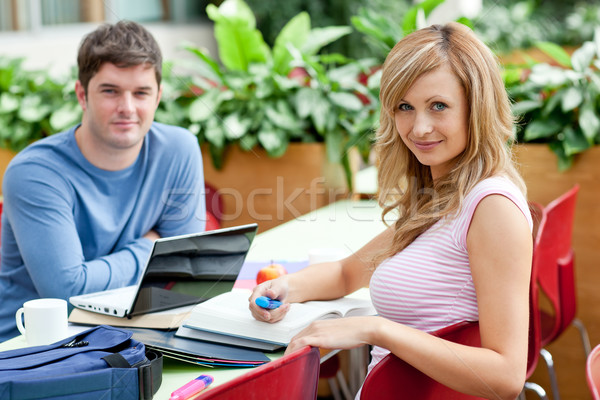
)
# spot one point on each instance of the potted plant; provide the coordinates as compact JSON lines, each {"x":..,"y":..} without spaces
{"x":557,"y":104}
{"x":256,"y":107}
{"x":258,"y":96}
{"x":33,"y":104}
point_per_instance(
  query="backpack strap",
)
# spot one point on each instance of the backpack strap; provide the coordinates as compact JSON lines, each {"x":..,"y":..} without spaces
{"x":149,"y":374}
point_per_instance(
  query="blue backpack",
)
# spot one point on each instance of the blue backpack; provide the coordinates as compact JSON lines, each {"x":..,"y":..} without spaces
{"x":100,"y":363}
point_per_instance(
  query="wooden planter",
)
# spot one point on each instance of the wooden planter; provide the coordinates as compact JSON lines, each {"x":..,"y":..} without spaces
{"x":270,"y":191}
{"x":545,"y":183}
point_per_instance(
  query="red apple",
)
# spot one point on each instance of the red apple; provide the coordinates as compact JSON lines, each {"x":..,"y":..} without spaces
{"x":269,"y":272}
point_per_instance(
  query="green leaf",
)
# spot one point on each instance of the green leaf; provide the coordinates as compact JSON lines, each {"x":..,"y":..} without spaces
{"x":320,"y":111}
{"x":305,"y":100}
{"x":248,"y":142}
{"x":571,"y":99}
{"x":214,"y":133}
{"x":346,"y":100}
{"x":281,"y":116}
{"x":525,"y":106}
{"x":67,"y":115}
{"x":235,"y":125}
{"x":321,"y":37}
{"x":205,"y":106}
{"x":273,"y":140}
{"x":33,"y":109}
{"x":583,"y":56}
{"x":334,"y":146}
{"x":564,"y":161}
{"x":295,"y":32}
{"x":238,"y":40}
{"x":208,"y":60}
{"x":8,"y":103}
{"x":574,"y":141}
{"x":556,"y":52}
{"x":552,"y":103}
{"x":548,"y":76}
{"x":588,"y":121}
{"x":541,"y":129}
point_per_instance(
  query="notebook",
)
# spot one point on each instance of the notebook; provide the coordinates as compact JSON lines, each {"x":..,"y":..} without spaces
{"x":181,"y":270}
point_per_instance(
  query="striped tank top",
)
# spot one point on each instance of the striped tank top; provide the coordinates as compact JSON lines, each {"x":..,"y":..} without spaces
{"x":428,"y":285}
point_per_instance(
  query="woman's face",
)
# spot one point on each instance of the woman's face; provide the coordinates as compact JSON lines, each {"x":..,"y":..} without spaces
{"x":432,"y":120}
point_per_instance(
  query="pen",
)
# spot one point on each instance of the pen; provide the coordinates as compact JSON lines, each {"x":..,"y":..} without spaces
{"x":191,"y":388}
{"x":267,"y":302}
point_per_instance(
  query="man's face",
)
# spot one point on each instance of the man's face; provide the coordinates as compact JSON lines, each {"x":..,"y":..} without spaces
{"x":119,"y":106}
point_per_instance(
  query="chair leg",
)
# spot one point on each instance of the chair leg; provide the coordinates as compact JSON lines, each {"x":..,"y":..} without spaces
{"x":547,"y":357}
{"x":585,"y":339}
{"x":534,"y":387}
{"x":344,"y":385}
{"x":335,"y":391}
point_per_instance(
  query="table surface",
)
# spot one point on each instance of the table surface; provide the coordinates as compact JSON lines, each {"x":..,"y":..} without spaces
{"x":345,"y":224}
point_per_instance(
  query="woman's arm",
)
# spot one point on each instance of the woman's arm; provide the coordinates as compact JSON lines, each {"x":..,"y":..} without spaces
{"x":500,"y":250}
{"x":323,"y":281}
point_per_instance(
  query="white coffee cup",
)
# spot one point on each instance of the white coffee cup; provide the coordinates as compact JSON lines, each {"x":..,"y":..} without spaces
{"x":45,"y":321}
{"x":326,"y":254}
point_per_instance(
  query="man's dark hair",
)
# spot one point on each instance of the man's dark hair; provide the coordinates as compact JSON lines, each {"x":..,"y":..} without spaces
{"x":123,"y":44}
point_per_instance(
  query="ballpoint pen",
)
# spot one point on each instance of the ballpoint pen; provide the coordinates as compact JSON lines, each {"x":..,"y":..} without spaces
{"x":191,"y":388}
{"x":267,"y":302}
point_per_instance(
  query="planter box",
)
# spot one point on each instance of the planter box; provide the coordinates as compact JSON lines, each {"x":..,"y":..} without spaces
{"x":545,"y":183}
{"x":257,"y":188}
{"x":271,"y":191}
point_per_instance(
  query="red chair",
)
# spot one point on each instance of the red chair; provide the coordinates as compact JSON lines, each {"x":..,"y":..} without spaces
{"x":294,"y":376}
{"x":556,"y":277}
{"x":394,"y":378}
{"x":592,"y":370}
{"x":214,"y":207}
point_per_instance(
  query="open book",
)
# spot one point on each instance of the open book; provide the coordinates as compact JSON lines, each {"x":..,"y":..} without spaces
{"x":227,"y":318}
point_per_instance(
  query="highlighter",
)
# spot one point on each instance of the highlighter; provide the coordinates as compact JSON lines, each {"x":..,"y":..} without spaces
{"x":192,"y":388}
{"x":267,"y":302}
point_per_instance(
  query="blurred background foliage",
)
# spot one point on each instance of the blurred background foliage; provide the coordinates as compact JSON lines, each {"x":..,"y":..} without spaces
{"x":34,"y":104}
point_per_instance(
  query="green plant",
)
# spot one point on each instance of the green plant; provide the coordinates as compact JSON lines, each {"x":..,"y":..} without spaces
{"x":265,"y":96}
{"x":33,"y":104}
{"x":382,"y":31}
{"x":559,"y":104}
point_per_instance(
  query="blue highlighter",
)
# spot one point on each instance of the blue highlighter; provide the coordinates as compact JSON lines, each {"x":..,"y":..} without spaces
{"x":267,"y":302}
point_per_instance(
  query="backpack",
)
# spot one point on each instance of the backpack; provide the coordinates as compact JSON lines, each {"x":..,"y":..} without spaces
{"x":100,"y":363}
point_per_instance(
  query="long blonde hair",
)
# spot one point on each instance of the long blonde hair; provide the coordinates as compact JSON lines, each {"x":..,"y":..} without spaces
{"x":406,"y":185}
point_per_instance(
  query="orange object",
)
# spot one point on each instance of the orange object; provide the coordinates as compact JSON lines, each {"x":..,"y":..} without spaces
{"x":269,"y":272}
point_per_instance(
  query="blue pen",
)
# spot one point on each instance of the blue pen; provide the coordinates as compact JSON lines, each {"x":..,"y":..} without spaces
{"x":267,"y":302}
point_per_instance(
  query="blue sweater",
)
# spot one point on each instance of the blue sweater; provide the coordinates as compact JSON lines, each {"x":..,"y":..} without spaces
{"x":70,"y":228}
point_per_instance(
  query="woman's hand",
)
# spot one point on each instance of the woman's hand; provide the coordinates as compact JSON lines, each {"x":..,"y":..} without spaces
{"x":276,"y":289}
{"x":339,"y":333}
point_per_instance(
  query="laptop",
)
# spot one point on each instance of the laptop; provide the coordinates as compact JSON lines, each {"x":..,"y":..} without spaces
{"x":180,"y":271}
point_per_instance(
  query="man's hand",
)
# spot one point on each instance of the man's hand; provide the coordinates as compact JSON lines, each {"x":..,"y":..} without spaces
{"x":152,"y":235}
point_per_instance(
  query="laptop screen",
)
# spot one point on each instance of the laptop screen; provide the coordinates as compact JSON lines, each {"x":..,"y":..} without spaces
{"x":189,"y":269}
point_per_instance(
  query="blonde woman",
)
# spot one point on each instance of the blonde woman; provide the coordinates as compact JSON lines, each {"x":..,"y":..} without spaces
{"x":461,"y":248}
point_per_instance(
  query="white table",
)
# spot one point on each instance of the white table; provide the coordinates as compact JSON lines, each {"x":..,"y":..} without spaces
{"x":344,"y":224}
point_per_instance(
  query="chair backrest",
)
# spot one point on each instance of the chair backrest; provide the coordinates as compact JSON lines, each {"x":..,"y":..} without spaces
{"x":535,"y":326}
{"x":393,"y":378}
{"x":294,"y":376}
{"x":214,"y":207}
{"x":555,"y":261}
{"x":592,"y":371}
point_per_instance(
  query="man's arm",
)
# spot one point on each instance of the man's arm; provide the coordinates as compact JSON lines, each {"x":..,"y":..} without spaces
{"x":40,"y":213}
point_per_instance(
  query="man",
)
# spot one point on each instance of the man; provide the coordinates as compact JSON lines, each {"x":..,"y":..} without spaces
{"x":82,"y":207}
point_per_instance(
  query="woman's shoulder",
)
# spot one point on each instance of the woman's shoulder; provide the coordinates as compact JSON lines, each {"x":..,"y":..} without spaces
{"x":497,"y":185}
